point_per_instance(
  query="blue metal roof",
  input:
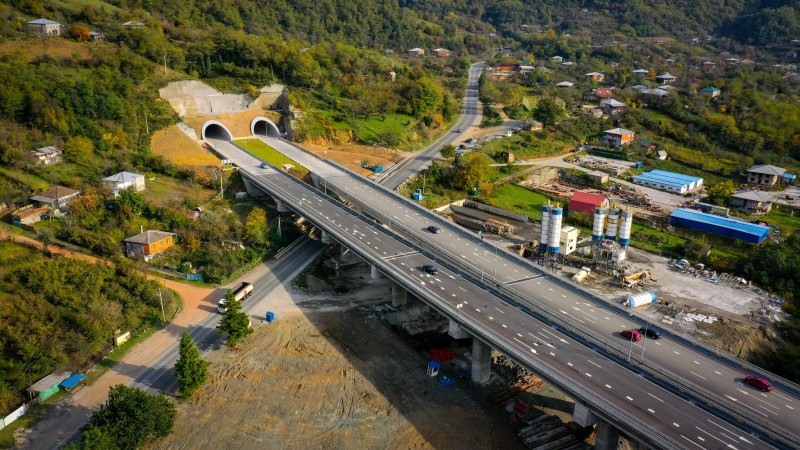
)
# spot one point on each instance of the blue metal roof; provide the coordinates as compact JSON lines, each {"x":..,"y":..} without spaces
{"x":720,"y":225}
{"x":668,"y":178}
{"x":72,"y":381}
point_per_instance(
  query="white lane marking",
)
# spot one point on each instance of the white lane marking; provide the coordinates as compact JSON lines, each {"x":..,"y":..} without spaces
{"x":676,"y":424}
{"x":677,"y":353}
{"x":504,"y":326}
{"x":781,"y":396}
{"x":491,"y":318}
{"x":693,"y":442}
{"x":697,"y":375}
{"x":608,"y":386}
{"x":462,"y":289}
{"x":570,"y":364}
{"x":696,"y":362}
{"x":788,"y":406}
{"x":547,"y":298}
{"x":499,"y":309}
{"x":594,"y":363}
{"x":628,"y":398}
{"x":651,"y":395}
{"x":651,"y":411}
{"x":588,"y":375}
{"x":552,"y":354}
{"x":711,"y":435}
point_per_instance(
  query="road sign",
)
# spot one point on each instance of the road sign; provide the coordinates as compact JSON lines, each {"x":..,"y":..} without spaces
{"x":225,"y":162}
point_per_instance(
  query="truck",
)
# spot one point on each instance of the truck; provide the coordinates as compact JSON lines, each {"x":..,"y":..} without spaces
{"x":240,"y":293}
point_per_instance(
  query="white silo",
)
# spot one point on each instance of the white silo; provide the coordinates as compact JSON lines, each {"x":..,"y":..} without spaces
{"x":625,"y":224}
{"x":613,"y":221}
{"x":544,"y":237}
{"x":597,"y":225}
{"x":556,"y":215}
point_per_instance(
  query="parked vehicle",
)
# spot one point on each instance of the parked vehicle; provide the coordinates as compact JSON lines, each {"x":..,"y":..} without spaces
{"x":633,"y":335}
{"x":242,"y":292}
{"x":652,"y":333}
{"x":430,"y":270}
{"x":759,"y":383}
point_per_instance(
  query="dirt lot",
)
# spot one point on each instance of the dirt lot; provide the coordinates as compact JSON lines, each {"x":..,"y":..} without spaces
{"x":352,"y":155}
{"x":178,"y":148}
{"x":329,"y":374}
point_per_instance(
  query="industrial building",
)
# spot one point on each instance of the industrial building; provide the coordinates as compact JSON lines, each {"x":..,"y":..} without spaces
{"x":587,"y":202}
{"x":745,"y":231}
{"x":669,"y":181}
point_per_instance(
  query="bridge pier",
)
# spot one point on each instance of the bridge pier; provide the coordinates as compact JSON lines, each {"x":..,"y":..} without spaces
{"x":456,"y":331}
{"x":325,"y":238}
{"x":251,"y":189}
{"x":399,"y":295}
{"x":606,"y":436}
{"x":375,"y":274}
{"x":281,"y":206}
{"x":481,"y":361}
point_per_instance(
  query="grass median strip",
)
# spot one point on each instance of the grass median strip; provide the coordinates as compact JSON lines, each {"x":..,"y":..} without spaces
{"x":268,"y":154}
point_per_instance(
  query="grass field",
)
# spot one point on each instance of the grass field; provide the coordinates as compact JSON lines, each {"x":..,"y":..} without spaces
{"x":268,"y":154}
{"x":786,"y":218}
{"x":517,"y":199}
{"x":36,"y":183}
{"x":163,"y":190}
{"x":376,"y":130}
{"x":178,"y":148}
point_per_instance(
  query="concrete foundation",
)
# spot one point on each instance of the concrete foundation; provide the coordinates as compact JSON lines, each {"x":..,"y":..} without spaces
{"x":374,"y":273}
{"x":456,"y":331}
{"x":583,"y":416}
{"x":481,"y":361}
{"x":606,"y":436}
{"x":399,"y":295}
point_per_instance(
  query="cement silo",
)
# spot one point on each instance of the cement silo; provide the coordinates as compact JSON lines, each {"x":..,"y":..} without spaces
{"x":597,"y":225}
{"x":556,"y":216}
{"x":544,"y":236}
{"x":613,"y":221}
{"x":626,"y":222}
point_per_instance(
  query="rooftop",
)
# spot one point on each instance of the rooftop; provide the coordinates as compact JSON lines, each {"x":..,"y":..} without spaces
{"x":149,"y":237}
{"x":728,"y":226}
{"x":49,"y":381}
{"x":666,"y":76}
{"x":767,"y":169}
{"x":757,"y":196}
{"x":57,"y":192}
{"x":613,"y":103}
{"x":667,"y":178}
{"x":123,"y":177}
{"x":43,"y":22}
{"x":619,"y":131}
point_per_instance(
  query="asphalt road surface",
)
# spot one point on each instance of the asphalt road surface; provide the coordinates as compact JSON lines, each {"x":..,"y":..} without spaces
{"x":578,"y":366}
{"x":470,"y":116}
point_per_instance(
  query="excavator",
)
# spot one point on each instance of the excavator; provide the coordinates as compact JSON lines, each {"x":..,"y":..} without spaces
{"x":636,"y":279}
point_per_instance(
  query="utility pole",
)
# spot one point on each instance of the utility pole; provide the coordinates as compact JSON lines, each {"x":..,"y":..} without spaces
{"x":279,"y":226}
{"x":165,"y":64}
{"x":161,"y":299}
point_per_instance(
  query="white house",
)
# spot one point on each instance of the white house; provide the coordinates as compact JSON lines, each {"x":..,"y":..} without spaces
{"x":125,"y":180}
{"x":45,"y":27}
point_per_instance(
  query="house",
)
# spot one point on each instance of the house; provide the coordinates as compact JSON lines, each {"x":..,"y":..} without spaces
{"x":654,"y":94}
{"x":768,"y":175}
{"x":597,"y":177}
{"x":44,"y":27}
{"x":416,"y":52}
{"x":595,"y":95}
{"x":641,"y":72}
{"x":618,"y":137}
{"x":710,"y":91}
{"x":48,"y":155}
{"x":596,"y":76}
{"x":56,"y":197}
{"x":639,"y":87}
{"x":441,"y":52}
{"x":28,"y":215}
{"x":124,"y":180}
{"x":732,"y":61}
{"x":133,"y":24}
{"x":666,"y":78}
{"x":507,"y":157}
{"x":565,"y":84}
{"x":48,"y":385}
{"x":752,"y":202}
{"x":526,"y":69}
{"x":661,"y":154}
{"x":670,"y":61}
{"x":147,"y":244}
{"x":586,"y":202}
{"x":567,"y":63}
{"x":708,"y":66}
{"x":97,"y":36}
{"x":611,"y":106}
{"x":557,"y":59}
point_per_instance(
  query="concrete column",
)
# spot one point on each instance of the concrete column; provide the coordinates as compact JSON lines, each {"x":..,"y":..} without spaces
{"x":399,"y":295}
{"x":343,"y":250}
{"x":374,"y":273}
{"x":606,"y":436}
{"x":456,"y":331}
{"x":281,"y":206}
{"x":583,"y":416}
{"x":481,"y":361}
{"x":251,"y":188}
{"x":325,"y":238}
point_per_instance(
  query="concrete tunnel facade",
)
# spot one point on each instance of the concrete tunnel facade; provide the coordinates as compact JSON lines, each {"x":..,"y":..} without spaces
{"x":261,"y":126}
{"x":215,"y":129}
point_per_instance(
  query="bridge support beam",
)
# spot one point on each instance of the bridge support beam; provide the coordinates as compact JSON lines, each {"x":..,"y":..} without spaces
{"x":481,"y":361}
{"x":374,"y":273}
{"x":251,"y":188}
{"x":281,"y":206}
{"x":606,"y":436}
{"x":583,"y":416}
{"x":456,"y":331}
{"x":325,"y":238}
{"x":399,"y":295}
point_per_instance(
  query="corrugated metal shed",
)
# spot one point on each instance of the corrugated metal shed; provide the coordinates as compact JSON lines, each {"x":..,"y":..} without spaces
{"x":736,"y":229}
{"x":668,"y":180}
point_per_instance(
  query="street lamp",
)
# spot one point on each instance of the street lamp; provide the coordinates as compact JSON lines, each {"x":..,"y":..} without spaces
{"x":630,"y":349}
{"x":458,"y":310}
{"x":644,"y":338}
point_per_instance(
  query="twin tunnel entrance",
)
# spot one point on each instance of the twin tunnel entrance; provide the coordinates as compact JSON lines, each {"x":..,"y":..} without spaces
{"x":260,"y":126}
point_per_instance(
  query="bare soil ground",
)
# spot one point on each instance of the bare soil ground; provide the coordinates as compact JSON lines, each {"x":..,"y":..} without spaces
{"x":352,"y":155}
{"x":329,"y":374}
{"x":178,"y":148}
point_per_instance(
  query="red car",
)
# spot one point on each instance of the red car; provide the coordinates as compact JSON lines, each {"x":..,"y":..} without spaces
{"x":758,"y":382}
{"x":633,"y":335}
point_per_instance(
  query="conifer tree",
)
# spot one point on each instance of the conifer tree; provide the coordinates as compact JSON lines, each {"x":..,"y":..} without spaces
{"x":235,"y":322}
{"x":191,"y":369}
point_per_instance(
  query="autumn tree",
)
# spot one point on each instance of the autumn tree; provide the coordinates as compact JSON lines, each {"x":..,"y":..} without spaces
{"x":235,"y":322}
{"x":191,"y":370}
{"x":78,"y":149}
{"x":256,"y":229}
{"x":80,"y":33}
{"x":472,"y":171}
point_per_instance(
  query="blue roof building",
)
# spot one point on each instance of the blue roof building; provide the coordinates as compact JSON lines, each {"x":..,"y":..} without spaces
{"x":669,"y":181}
{"x":745,"y":231}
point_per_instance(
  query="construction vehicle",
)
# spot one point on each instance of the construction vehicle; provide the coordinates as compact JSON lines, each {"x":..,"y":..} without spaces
{"x":242,"y":292}
{"x":636,"y":279}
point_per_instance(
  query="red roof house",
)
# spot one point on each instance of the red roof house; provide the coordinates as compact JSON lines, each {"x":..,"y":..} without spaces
{"x":586,"y":202}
